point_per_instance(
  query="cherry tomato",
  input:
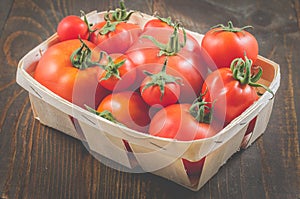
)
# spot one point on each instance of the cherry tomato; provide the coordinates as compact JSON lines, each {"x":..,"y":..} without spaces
{"x":224,"y":44}
{"x":176,"y":122}
{"x":72,"y":27}
{"x":128,"y":108}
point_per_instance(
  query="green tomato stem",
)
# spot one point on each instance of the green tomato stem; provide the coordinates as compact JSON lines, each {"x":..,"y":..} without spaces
{"x":111,"y":68}
{"x":241,"y":71}
{"x":167,"y":20}
{"x":113,"y":18}
{"x":104,"y":114}
{"x":201,"y":111}
{"x":230,"y":27}
{"x":81,"y":57}
{"x":161,"y":79}
{"x":173,"y":46}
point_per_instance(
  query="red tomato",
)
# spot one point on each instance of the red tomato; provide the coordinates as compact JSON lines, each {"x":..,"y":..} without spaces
{"x":117,"y":40}
{"x":119,"y":73}
{"x":162,"y":28}
{"x":163,"y":34}
{"x":72,"y":27}
{"x":56,"y":72}
{"x":160,"y":89}
{"x":224,"y":44}
{"x":128,"y":108}
{"x":188,"y":66}
{"x":115,"y":34}
{"x":176,"y":122}
{"x":159,"y":23}
{"x":230,"y":95}
{"x":152,"y":95}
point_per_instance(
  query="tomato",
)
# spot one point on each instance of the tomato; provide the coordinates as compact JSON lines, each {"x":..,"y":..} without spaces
{"x":176,"y":122}
{"x":188,"y":66}
{"x":128,"y":108}
{"x":115,"y":34}
{"x":154,"y":97}
{"x":118,"y":72}
{"x":160,"y":89}
{"x":117,"y":40}
{"x":191,"y":67}
{"x":163,"y":34}
{"x":231,"y":98}
{"x":56,"y":72}
{"x":232,"y":90}
{"x":159,"y":22}
{"x":162,"y":28}
{"x":224,"y":44}
{"x":72,"y":27}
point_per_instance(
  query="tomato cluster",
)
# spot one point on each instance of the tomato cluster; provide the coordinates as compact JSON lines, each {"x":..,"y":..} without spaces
{"x":155,"y":78}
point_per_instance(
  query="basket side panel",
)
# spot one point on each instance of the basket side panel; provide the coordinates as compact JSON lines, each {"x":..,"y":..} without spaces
{"x":106,"y":145}
{"x":262,"y":122}
{"x":52,"y":117}
{"x":176,"y":173}
{"x":151,"y":160}
{"x":217,"y":158}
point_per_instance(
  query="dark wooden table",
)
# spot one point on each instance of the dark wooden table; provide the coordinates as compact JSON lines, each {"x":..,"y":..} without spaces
{"x":40,"y":162}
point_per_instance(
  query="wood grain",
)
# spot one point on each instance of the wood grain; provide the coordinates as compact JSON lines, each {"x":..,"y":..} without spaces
{"x":40,"y":162}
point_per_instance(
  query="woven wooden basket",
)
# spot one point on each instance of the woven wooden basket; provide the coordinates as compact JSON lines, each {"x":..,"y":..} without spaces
{"x":164,"y":157}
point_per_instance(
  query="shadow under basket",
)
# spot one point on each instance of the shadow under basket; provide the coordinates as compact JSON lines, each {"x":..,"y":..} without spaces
{"x":188,"y":163}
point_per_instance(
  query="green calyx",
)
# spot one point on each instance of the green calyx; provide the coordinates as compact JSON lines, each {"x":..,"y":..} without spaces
{"x":108,"y":27}
{"x":173,"y":46}
{"x":201,"y":111}
{"x":104,"y":114}
{"x":114,"y":18}
{"x":111,"y":68}
{"x":161,"y":79}
{"x":167,"y":20}
{"x":230,"y":28}
{"x":241,"y":71}
{"x":81,"y":57}
{"x":119,"y":14}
